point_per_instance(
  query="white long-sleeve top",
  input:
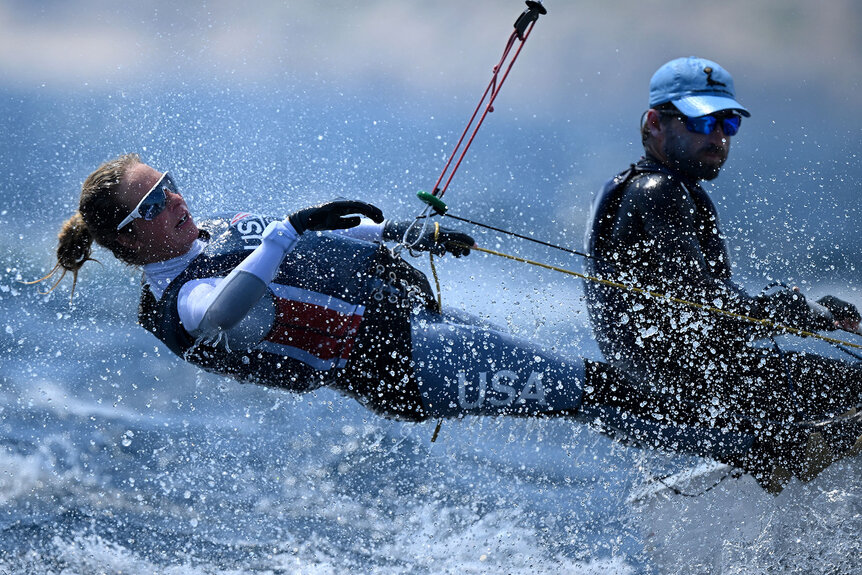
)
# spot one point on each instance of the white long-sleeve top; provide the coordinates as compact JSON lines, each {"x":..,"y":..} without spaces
{"x":209,"y":307}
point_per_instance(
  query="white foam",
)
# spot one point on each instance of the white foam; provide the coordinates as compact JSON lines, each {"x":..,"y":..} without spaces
{"x":450,"y":540}
{"x":739,"y":528}
{"x":19,"y":475}
{"x":55,"y":398}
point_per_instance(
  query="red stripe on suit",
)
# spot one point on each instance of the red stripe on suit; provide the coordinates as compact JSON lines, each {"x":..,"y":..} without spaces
{"x":320,"y":331}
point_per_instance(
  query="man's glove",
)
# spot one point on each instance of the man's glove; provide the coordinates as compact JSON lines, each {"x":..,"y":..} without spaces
{"x":447,"y":240}
{"x":789,"y":307}
{"x":844,"y":313}
{"x":335,"y":215}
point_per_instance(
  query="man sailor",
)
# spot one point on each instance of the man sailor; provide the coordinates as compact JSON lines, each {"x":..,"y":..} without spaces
{"x":653,"y":226}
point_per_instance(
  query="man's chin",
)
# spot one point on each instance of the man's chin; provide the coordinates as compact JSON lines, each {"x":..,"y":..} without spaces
{"x":699,"y":170}
{"x":708,"y":174}
{"x":707,"y":170}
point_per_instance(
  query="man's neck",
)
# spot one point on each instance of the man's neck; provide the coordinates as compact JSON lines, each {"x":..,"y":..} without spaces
{"x":686,"y":178}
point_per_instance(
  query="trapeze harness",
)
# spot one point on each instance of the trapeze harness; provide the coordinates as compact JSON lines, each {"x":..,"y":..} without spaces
{"x":624,"y":246}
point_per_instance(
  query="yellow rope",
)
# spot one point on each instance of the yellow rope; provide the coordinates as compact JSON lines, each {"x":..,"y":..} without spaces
{"x":766,"y":322}
{"x":439,"y":306}
{"x":434,"y":268}
{"x":634,"y":289}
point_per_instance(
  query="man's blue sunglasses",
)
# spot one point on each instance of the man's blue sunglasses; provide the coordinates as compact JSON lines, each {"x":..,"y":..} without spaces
{"x":153,"y":203}
{"x":707,"y":124}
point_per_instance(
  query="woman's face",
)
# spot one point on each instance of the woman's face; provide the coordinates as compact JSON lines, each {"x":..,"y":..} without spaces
{"x":169,"y":234}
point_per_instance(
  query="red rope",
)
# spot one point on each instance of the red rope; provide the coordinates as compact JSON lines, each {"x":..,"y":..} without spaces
{"x":494,"y":89}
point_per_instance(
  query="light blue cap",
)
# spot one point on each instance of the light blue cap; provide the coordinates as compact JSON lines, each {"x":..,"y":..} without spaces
{"x":696,"y":87}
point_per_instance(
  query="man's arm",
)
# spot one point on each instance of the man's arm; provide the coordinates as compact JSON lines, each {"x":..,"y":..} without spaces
{"x":671,"y":220}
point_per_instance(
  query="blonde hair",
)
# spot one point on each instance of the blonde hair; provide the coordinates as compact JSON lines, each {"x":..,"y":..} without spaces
{"x":99,"y":213}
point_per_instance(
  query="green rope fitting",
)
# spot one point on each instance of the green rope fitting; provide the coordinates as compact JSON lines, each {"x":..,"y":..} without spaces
{"x":433,"y":201}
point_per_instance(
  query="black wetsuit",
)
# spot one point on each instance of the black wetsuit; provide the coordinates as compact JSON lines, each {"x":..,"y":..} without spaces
{"x":652,"y":229}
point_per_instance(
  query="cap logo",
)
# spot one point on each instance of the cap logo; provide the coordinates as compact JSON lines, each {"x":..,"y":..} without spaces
{"x":709,"y":80}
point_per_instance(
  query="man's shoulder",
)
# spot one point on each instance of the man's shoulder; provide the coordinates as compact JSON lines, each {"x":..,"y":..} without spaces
{"x":653,"y":186}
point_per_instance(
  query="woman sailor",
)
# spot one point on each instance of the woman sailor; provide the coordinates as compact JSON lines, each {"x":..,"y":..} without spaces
{"x":313,"y":299}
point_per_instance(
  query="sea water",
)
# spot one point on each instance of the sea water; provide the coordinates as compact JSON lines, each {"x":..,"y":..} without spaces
{"x":116,"y":457}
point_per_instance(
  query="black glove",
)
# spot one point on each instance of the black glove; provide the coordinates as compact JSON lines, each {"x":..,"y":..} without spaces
{"x":789,"y":307}
{"x":842,"y":311}
{"x":333,"y":215}
{"x":456,"y":243}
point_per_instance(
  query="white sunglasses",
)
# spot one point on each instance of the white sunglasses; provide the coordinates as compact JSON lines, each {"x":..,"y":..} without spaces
{"x":153,"y":203}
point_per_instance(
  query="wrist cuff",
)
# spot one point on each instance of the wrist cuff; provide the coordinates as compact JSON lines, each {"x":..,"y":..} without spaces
{"x":281,"y":234}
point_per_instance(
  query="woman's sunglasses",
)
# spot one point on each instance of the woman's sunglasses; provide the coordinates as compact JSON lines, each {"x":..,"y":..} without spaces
{"x":153,"y":203}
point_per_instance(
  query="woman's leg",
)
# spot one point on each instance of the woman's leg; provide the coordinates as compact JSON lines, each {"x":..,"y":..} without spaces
{"x":465,"y":367}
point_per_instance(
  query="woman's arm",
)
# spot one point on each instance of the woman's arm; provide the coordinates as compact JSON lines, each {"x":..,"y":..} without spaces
{"x":208,"y":308}
{"x":367,"y":230}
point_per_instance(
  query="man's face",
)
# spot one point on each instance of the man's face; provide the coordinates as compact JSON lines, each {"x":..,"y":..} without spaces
{"x":699,"y":156}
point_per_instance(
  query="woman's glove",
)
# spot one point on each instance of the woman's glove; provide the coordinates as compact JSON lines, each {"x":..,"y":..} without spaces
{"x":335,"y":215}
{"x":447,"y":240}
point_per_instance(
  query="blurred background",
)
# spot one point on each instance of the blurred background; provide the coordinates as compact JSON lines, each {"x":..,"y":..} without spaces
{"x":115,"y":456}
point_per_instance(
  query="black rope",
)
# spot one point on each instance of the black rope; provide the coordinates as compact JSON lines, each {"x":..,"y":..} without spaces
{"x":733,"y":472}
{"x":519,"y":236}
